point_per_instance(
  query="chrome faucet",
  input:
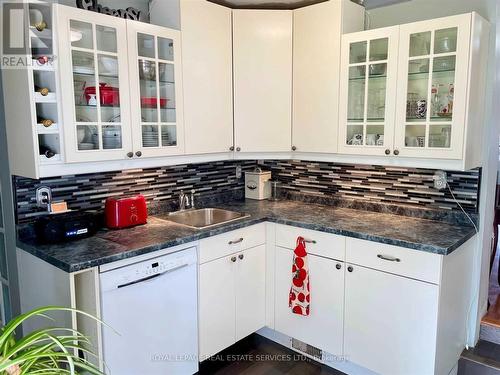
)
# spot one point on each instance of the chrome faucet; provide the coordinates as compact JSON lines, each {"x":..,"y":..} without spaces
{"x":185,"y":201}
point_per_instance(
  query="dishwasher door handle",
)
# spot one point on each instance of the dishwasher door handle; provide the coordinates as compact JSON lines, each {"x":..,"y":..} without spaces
{"x":147,"y":278}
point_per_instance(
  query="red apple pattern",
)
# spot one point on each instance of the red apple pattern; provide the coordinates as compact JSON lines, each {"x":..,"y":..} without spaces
{"x":299,"y":298}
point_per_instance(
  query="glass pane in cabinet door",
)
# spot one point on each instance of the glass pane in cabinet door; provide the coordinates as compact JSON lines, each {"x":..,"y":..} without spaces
{"x":86,"y":94}
{"x":357,"y":52}
{"x":168,"y":135}
{"x":415,"y":135}
{"x":87,"y":137}
{"x":374,"y":135}
{"x":416,"y":98}
{"x":445,"y":40}
{"x":148,"y":91}
{"x":376,"y":92}
{"x":440,"y":136}
{"x":378,"y":49}
{"x":165,"y":49}
{"x":81,"y":34}
{"x":443,"y":88}
{"x":109,"y":91}
{"x":356,"y":93}
{"x":111,"y":137}
{"x":146,"y":45}
{"x":3,"y":257}
{"x":106,"y":38}
{"x":420,"y":44}
{"x":167,"y":92}
{"x":354,"y":135}
{"x":150,"y":136}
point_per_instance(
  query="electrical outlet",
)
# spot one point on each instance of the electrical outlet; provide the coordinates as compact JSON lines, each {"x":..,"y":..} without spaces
{"x":238,"y":171}
{"x":440,"y":180}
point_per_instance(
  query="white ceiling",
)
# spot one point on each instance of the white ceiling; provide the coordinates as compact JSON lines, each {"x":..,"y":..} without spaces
{"x":294,"y":3}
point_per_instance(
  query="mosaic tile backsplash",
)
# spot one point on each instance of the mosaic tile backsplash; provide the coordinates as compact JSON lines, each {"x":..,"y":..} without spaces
{"x":379,"y":184}
{"x":395,"y":185}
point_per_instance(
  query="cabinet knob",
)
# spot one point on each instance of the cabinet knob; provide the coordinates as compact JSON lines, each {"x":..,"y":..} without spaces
{"x":130,"y":154}
{"x":233,"y":259}
{"x":294,"y":148}
{"x":231,"y":148}
{"x":241,"y":256}
{"x":338,"y":266}
{"x":396,"y":152}
{"x":387,"y":151}
{"x":238,"y":149}
{"x":138,"y":154}
{"x":350,"y":269}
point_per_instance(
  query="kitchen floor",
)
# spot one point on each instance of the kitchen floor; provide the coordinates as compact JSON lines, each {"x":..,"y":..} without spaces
{"x":260,"y":356}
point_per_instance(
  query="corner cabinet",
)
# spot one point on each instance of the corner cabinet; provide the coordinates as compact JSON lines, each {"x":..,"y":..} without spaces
{"x":415,"y":90}
{"x":121,"y":86}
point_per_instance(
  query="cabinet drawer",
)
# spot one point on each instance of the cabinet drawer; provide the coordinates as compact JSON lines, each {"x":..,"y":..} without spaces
{"x":231,"y":242}
{"x":323,"y":244}
{"x":397,"y":260}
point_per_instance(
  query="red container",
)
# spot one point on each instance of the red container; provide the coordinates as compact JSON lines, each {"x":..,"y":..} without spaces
{"x":126,"y":212}
{"x":109,"y":95}
{"x":152,"y":102}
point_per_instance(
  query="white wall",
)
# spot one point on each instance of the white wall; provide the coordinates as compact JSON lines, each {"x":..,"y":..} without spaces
{"x":417,"y":10}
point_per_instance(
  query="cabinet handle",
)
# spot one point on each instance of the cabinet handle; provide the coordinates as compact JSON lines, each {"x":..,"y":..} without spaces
{"x":238,"y":149}
{"x":241,"y":256}
{"x":396,"y":152}
{"x":387,"y":151}
{"x":233,"y":242}
{"x":338,"y":266}
{"x":388,"y":258}
{"x":130,"y":154}
{"x":294,"y":148}
{"x":138,"y":154}
{"x":350,"y":269}
{"x":231,"y":148}
{"x":233,"y":259}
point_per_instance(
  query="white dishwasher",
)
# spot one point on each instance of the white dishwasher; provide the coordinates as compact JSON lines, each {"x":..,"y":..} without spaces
{"x":152,"y":305}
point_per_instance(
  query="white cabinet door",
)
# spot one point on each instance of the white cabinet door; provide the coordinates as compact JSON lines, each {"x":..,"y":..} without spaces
{"x":323,"y":328}
{"x":216,"y":306}
{"x":317,"y":31}
{"x":262,"y":52}
{"x":94,"y":85}
{"x":250,"y":291}
{"x":390,"y":322}
{"x":433,"y":84}
{"x":367,"y":88}
{"x":207,"y":67}
{"x":156,"y":83}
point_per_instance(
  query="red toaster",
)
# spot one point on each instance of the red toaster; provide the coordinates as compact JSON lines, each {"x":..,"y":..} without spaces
{"x":126,"y":212}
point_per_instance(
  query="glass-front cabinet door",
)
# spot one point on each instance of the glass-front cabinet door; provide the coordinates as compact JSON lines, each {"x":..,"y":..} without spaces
{"x":368,"y":84}
{"x":156,"y":83}
{"x":94,"y":79}
{"x":431,"y":109}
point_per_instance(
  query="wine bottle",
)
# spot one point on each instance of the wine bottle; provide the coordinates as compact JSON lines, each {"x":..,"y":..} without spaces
{"x":44,"y":121}
{"x":44,"y":91}
{"x":44,"y":150}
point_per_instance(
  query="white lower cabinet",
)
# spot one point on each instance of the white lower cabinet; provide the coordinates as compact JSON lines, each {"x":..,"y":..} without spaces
{"x":323,"y":327}
{"x":231,"y":299}
{"x":390,"y":322}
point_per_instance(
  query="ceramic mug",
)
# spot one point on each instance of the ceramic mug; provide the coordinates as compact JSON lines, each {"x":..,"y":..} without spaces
{"x":380,"y":139}
{"x":356,"y":140}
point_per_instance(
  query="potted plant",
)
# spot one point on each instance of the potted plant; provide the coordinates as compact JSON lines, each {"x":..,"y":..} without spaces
{"x":50,"y":350}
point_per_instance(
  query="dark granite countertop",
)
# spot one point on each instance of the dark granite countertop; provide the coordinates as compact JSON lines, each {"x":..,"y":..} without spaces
{"x":112,"y":245}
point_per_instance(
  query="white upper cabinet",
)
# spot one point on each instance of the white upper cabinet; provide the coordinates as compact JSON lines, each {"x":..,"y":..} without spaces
{"x":207,"y":65}
{"x":262,"y":52}
{"x":368,"y":85}
{"x":95,"y":86}
{"x":317,"y":32}
{"x":432,"y":105}
{"x":156,"y":83}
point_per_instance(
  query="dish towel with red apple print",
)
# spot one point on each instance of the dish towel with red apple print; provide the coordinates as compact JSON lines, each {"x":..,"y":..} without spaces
{"x":299,"y":298}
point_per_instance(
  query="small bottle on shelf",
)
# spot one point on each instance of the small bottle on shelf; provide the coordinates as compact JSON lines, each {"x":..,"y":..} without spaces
{"x":44,"y":150}
{"x":44,"y":91}
{"x":436,"y":100}
{"x":44,"y":121}
{"x":451,"y":93}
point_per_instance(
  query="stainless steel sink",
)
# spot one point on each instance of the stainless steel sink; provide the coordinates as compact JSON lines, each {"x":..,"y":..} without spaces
{"x":204,"y":217}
